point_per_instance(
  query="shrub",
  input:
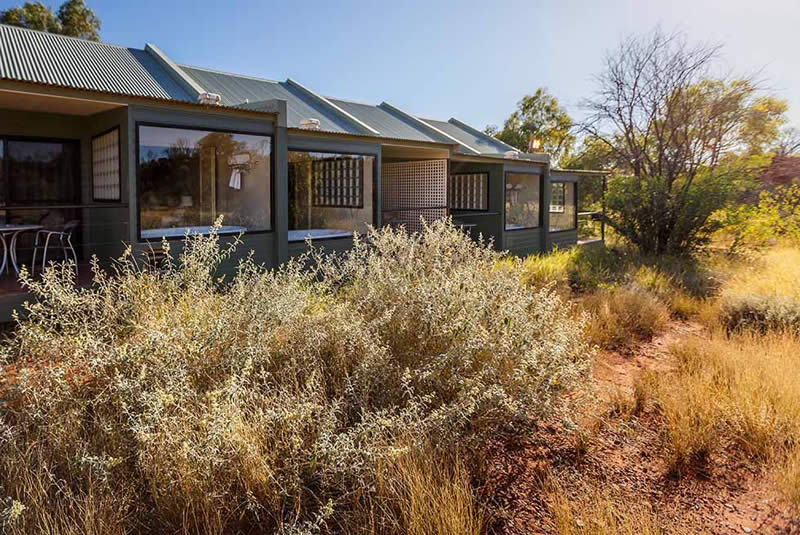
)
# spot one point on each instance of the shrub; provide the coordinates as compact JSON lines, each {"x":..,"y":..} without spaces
{"x":621,"y":316}
{"x":763,"y":295}
{"x":176,"y":400}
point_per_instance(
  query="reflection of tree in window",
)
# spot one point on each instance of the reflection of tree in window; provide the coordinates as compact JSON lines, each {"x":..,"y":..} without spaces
{"x":189,"y":178}
{"x":522,"y":201}
{"x":562,"y":206}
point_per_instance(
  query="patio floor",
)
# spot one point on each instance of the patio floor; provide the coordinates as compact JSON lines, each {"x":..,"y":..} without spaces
{"x":10,"y":285}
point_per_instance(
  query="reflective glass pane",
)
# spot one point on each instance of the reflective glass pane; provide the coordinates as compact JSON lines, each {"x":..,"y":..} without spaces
{"x":522,"y":200}
{"x":330,"y":195}
{"x":188,"y":178}
{"x":563,"y":206}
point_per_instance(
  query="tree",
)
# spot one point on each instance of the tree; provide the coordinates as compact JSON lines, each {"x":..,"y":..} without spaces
{"x":675,"y":135}
{"x":74,"y":19}
{"x":538,"y":116}
{"x":77,"y":20}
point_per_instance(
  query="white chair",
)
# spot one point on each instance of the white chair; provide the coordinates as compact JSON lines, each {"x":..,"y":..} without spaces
{"x":56,"y":239}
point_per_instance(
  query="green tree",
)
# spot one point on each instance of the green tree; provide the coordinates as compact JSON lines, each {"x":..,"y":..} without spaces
{"x":681,"y":143}
{"x":538,"y":117}
{"x":74,"y":19}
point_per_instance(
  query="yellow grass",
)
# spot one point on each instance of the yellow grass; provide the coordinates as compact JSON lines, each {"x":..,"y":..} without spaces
{"x":600,"y":514}
{"x":743,"y":387}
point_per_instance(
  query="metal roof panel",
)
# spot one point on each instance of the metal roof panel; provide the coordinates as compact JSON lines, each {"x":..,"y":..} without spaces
{"x":45,"y":58}
{"x":389,"y":125}
{"x":237,"y":90}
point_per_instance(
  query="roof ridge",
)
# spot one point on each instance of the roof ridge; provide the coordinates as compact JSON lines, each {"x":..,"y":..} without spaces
{"x":71,"y":38}
{"x":351,"y":101}
{"x":228,"y":73}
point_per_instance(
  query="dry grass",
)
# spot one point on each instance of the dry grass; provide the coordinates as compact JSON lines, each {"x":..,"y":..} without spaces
{"x":600,"y":514}
{"x":623,"y":316}
{"x":432,"y":495}
{"x":763,"y":294}
{"x":743,"y":388}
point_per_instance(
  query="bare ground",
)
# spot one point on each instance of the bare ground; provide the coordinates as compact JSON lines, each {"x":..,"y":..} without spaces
{"x":625,"y":459}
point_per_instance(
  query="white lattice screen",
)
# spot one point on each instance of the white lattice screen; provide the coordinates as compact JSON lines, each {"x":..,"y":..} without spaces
{"x":411,"y":190}
{"x":105,"y":166}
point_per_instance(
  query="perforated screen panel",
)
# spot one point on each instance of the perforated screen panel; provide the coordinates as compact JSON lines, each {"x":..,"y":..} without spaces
{"x":411,"y":190}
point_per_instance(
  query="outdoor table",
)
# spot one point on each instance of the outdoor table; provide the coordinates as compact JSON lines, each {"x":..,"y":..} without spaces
{"x":10,"y":249}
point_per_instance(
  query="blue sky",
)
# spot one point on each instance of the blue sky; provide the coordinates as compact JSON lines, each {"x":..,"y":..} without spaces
{"x":471,"y":60}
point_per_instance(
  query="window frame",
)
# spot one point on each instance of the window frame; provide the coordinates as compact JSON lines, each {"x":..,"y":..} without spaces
{"x":375,"y":188}
{"x":271,"y":136}
{"x":485,"y":195}
{"x":119,"y":157}
{"x":540,"y":223}
{"x":574,"y":227}
{"x":4,"y":173}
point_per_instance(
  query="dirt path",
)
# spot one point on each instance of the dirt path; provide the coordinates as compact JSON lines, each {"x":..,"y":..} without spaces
{"x":625,"y":458}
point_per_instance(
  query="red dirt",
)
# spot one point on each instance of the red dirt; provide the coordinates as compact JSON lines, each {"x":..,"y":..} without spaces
{"x":625,"y":459}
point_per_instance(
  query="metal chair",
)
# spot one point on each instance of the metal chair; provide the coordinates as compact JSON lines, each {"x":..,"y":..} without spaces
{"x":55,"y":239}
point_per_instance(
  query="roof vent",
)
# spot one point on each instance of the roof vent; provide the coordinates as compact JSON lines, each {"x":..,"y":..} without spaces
{"x":511,"y":155}
{"x":209,"y":99}
{"x":310,"y":124}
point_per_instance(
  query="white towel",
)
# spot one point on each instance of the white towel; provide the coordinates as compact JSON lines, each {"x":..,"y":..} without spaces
{"x":236,"y":179}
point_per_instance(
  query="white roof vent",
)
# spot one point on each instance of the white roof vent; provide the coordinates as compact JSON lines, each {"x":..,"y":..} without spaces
{"x":511,"y":155}
{"x":209,"y":99}
{"x":310,"y":124}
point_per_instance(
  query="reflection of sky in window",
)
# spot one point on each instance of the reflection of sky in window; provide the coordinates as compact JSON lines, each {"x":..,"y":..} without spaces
{"x":155,"y":141}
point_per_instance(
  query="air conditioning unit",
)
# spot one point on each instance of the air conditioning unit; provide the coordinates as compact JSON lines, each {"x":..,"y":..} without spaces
{"x":511,"y":155}
{"x":310,"y":124}
{"x":209,"y":99}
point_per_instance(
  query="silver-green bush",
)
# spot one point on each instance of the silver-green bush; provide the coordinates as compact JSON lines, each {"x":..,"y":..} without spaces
{"x":174,"y":400}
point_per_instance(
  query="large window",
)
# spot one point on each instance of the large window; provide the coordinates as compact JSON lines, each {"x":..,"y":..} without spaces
{"x":562,"y":206}
{"x":330,"y":195}
{"x":522,"y":200}
{"x":469,"y":191}
{"x":188,"y":178}
{"x":38,"y":172}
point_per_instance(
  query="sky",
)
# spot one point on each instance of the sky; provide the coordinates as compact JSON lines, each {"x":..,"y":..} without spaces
{"x":441,"y":59}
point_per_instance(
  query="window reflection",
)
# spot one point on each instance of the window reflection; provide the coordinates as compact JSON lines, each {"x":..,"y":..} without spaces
{"x":330,"y":195}
{"x":562,"y":206}
{"x":188,"y":178}
{"x":522,"y":200}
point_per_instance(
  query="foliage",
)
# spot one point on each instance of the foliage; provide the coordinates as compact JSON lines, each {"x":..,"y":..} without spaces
{"x":74,"y":19}
{"x":538,"y":116}
{"x":671,"y":132}
{"x":277,"y":401}
{"x":774,"y":219}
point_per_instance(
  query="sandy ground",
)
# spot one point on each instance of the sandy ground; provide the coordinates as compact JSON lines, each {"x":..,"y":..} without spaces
{"x":625,"y":459}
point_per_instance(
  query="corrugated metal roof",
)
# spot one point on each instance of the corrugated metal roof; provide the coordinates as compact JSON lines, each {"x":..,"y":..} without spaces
{"x":389,"y":125}
{"x":45,"y":58}
{"x":483,"y":143}
{"x":237,"y":90}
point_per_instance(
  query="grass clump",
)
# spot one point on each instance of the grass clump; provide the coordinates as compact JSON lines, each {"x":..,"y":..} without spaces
{"x":622,"y":316}
{"x":763,"y":295}
{"x":743,"y":388}
{"x":276,"y":401}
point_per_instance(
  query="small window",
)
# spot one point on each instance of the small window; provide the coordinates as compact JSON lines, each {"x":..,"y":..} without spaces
{"x":106,"y":167}
{"x":469,"y":191}
{"x":557,"y":198}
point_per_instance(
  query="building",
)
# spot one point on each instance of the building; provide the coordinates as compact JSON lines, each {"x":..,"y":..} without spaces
{"x":128,"y":147}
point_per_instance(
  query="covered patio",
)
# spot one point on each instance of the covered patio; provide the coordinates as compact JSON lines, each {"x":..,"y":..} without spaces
{"x":62,"y":197}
